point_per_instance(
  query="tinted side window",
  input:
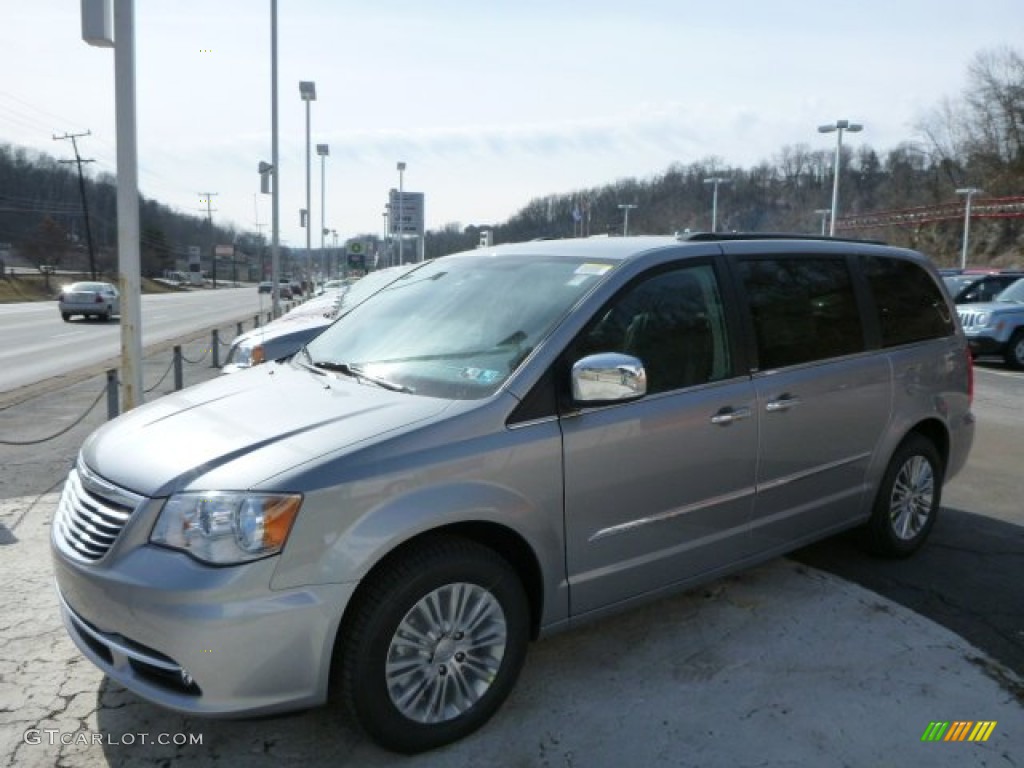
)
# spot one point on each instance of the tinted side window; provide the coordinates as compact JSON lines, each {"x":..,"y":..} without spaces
{"x":803,"y":309}
{"x":674,"y":322}
{"x":910,"y":305}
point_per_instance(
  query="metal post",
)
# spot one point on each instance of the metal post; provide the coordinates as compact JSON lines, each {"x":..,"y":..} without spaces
{"x":839,"y":126}
{"x":238,"y":328}
{"x":215,"y":348}
{"x":256,"y":321}
{"x":112,"y":394}
{"x":275,"y":197}
{"x":627,"y":207}
{"x":401,"y":212}
{"x":970,"y":192}
{"x":178,"y":378}
{"x":129,"y":279}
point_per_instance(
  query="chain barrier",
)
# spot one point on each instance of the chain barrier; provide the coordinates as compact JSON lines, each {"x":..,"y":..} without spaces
{"x":161,"y":380}
{"x":111,"y":386}
{"x":66,"y":429}
{"x":196,"y":362}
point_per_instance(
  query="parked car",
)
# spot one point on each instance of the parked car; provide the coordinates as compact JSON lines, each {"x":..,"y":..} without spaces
{"x":285,"y":336}
{"x":499,"y":445}
{"x":974,"y":288}
{"x":265,"y":287}
{"x":997,"y":327}
{"x":89,"y":299}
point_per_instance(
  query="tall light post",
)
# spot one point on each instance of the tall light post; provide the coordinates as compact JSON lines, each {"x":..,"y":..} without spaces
{"x":401,"y":212}
{"x":969,"y":192}
{"x":323,"y":151}
{"x":626,"y":207}
{"x":270,"y":173}
{"x":838,"y":127}
{"x":307,"y":90}
{"x":387,"y":234}
{"x":118,"y":32}
{"x":714,"y":181}
{"x":823,"y":212}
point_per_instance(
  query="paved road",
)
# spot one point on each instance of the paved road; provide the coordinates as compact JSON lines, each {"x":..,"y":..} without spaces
{"x":970,"y":575}
{"x":35,"y":344}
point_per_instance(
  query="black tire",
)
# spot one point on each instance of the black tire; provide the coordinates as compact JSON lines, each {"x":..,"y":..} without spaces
{"x":1014,"y":354}
{"x":66,"y":317}
{"x":106,"y":315}
{"x":455,"y":571}
{"x":908,"y":500}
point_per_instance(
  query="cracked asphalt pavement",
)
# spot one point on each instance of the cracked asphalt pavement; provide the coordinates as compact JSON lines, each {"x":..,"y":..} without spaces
{"x":832,"y":659}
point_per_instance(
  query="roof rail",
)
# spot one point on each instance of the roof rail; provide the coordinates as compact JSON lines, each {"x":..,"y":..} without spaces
{"x":703,"y":237}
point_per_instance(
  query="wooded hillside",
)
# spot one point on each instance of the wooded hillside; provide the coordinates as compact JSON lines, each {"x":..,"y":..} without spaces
{"x":906,"y":195}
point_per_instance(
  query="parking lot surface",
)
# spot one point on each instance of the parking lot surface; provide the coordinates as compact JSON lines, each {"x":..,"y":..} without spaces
{"x":783,"y":665}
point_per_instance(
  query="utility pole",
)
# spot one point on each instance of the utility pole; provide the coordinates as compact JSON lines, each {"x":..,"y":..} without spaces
{"x":81,"y":189}
{"x":209,"y":219}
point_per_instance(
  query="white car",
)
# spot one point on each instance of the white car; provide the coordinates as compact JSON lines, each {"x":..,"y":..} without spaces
{"x":96,"y":299}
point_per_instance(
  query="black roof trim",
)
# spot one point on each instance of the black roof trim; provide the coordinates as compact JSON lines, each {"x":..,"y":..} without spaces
{"x":704,"y":237}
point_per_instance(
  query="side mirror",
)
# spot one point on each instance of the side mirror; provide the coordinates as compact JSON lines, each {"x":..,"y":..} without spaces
{"x":608,"y":377}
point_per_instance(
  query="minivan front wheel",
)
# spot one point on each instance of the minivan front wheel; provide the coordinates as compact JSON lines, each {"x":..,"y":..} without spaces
{"x":435,"y":644}
{"x":908,"y":500}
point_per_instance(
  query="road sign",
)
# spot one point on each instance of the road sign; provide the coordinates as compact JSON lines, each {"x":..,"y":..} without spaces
{"x":405,"y":212}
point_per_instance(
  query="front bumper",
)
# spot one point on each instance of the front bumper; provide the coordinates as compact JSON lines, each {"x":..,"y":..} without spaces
{"x":985,"y":345}
{"x":202,"y":640}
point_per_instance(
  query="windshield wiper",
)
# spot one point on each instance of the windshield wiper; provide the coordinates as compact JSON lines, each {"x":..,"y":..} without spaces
{"x":357,"y":372}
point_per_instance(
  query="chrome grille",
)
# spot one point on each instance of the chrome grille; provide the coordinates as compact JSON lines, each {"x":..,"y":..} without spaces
{"x":91,"y":515}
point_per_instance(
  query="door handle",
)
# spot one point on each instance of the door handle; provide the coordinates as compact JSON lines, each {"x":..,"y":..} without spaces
{"x":782,"y":403}
{"x":729,"y":414}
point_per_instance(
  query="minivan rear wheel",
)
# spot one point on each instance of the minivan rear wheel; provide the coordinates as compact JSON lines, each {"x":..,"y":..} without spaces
{"x":908,"y":500}
{"x":434,"y":645}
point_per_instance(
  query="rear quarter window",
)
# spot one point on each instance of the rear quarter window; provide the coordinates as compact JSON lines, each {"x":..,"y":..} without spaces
{"x":910,"y":305}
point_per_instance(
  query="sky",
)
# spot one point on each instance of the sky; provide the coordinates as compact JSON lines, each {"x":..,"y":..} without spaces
{"x":490,"y":104}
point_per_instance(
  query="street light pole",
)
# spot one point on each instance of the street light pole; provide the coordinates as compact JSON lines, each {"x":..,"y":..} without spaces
{"x":838,"y":127}
{"x":714,"y":181}
{"x":969,"y":192}
{"x":823,"y":212}
{"x":323,"y":150}
{"x":307,"y":89}
{"x":275,"y":198}
{"x":627,"y":207}
{"x":401,"y":212}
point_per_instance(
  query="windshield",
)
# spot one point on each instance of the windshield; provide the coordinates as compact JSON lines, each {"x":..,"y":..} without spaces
{"x":955,"y":283}
{"x":365,"y":287}
{"x":456,"y":327}
{"x":1014,"y":292}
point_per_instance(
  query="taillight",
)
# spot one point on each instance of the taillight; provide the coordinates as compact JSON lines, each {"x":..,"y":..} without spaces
{"x":99,"y":299}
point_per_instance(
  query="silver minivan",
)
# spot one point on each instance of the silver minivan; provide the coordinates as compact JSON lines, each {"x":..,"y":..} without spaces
{"x":499,"y":445}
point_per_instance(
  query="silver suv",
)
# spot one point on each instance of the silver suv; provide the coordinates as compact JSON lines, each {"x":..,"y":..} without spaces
{"x":499,"y":445}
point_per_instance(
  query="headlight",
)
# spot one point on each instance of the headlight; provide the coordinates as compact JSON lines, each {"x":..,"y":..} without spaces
{"x":226,"y":528}
{"x":982,"y":319}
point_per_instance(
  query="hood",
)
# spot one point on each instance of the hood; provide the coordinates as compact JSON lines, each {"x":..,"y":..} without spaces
{"x":234,"y":432}
{"x":283,"y":326}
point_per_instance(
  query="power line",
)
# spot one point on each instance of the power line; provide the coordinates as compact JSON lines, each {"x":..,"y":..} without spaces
{"x":81,"y":188}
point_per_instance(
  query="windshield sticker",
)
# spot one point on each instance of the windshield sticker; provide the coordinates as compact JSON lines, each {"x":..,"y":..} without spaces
{"x":482,"y":375}
{"x":592,"y":269}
